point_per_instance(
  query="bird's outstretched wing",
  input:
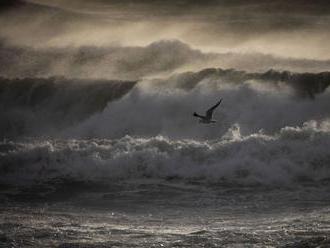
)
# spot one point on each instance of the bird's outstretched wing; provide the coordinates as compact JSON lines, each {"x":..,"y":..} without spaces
{"x":209,"y":112}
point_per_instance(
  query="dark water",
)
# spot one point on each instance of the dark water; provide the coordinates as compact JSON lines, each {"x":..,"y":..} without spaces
{"x":165,"y":214}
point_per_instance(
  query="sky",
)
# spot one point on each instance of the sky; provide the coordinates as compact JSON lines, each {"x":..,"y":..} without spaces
{"x":293,"y":29}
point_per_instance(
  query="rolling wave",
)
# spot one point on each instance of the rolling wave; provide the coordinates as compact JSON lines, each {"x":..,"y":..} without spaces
{"x":266,"y":101}
{"x":294,"y":155}
{"x":304,"y":84}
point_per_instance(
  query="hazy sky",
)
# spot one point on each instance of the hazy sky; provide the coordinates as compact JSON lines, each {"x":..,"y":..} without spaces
{"x":285,"y":28}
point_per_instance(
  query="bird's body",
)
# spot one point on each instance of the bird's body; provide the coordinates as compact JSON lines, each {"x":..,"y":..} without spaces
{"x":207,"y":119}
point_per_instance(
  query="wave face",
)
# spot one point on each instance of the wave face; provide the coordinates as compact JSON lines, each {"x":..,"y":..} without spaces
{"x":42,"y":106}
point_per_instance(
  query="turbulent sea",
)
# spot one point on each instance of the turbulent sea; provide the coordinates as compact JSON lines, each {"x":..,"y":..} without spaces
{"x":123,"y":163}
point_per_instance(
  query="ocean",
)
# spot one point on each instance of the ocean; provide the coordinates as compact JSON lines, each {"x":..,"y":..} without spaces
{"x":116,"y":163}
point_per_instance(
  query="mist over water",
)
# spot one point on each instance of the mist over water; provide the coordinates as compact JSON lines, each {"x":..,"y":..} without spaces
{"x":165,"y":107}
{"x":161,"y":58}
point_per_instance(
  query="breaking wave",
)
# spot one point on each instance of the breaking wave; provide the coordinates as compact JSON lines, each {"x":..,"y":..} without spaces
{"x":267,"y":102}
{"x":106,"y":108}
{"x":293,"y":155}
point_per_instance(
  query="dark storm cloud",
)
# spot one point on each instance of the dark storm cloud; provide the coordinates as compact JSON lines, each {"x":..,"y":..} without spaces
{"x":8,"y":4}
{"x":207,"y":9}
{"x":248,"y":17}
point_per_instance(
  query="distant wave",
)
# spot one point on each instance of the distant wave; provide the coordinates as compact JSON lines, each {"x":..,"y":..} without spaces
{"x":127,"y":63}
{"x":132,"y":63}
{"x":292,"y":156}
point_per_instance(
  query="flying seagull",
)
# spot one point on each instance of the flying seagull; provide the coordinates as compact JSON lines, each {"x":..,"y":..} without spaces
{"x":208,"y":117}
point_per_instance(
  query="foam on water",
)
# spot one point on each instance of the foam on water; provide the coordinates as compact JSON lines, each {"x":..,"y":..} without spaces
{"x":292,"y":155}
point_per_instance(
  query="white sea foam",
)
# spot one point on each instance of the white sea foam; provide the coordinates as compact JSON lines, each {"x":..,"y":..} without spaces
{"x":292,"y":155}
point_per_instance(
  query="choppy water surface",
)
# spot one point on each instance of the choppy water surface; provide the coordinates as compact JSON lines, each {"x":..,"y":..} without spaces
{"x":165,"y":214}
